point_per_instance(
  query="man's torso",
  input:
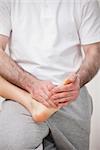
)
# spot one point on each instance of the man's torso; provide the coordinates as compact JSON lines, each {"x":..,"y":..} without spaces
{"x":45,"y":37}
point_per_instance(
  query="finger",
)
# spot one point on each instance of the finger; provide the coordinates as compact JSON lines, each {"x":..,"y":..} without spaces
{"x":45,"y":98}
{"x":47,"y":92}
{"x":52,"y":104}
{"x":63,"y":88}
{"x":63,"y":100}
{"x":43,"y":94}
{"x":58,"y":96}
{"x":67,"y":81}
{"x":63,"y":95}
{"x":71,"y":78}
{"x":50,"y":86}
{"x":46,"y":104}
{"x":60,"y":105}
{"x":41,"y":100}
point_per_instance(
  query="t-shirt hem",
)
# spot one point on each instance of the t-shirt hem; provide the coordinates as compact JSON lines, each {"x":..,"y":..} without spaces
{"x":91,"y":41}
{"x":5,"y":33}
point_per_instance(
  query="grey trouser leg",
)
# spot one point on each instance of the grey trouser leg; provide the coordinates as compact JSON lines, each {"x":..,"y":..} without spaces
{"x":17,"y":129}
{"x":70,"y":126}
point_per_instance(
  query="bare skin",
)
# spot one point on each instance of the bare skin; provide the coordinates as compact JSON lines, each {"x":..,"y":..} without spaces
{"x":12,"y":72}
{"x":44,"y":91}
{"x":91,"y":63}
{"x":86,"y":72}
{"x":38,"y":111}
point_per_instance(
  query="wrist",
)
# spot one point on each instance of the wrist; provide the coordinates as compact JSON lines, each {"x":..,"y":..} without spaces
{"x":79,"y":78}
{"x":28,"y":82}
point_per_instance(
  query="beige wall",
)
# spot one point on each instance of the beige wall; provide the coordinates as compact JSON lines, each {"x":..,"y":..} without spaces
{"x":94,"y":88}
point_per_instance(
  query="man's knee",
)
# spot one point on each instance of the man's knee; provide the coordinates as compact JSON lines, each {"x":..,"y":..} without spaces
{"x":16,"y":141}
{"x":17,"y":129}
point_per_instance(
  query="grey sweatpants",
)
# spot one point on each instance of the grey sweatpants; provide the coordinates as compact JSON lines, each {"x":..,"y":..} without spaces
{"x":67,"y":129}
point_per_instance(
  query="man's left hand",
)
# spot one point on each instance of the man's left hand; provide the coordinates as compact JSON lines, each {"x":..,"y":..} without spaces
{"x":66,"y":93}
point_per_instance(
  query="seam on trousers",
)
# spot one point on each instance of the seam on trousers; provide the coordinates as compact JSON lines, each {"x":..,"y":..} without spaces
{"x":69,"y":142}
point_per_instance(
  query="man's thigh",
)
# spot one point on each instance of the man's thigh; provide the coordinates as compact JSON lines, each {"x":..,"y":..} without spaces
{"x":17,"y":129}
{"x":70,"y":126}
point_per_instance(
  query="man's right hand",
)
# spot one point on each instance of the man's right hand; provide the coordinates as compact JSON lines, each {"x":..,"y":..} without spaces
{"x":13,"y":73}
{"x":41,"y":91}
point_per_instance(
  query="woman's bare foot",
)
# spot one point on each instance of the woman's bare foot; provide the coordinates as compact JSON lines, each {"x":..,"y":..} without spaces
{"x":40,"y":113}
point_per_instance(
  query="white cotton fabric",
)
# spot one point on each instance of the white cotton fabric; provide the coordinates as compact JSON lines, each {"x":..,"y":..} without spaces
{"x":46,"y":35}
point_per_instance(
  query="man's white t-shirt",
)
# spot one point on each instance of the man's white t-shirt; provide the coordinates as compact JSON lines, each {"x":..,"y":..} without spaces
{"x":46,"y":35}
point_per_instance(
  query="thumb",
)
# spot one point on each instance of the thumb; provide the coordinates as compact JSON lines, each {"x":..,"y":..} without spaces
{"x":71,"y":78}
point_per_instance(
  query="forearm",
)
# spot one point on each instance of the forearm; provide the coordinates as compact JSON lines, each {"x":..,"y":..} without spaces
{"x":10,"y":70}
{"x":38,"y":111}
{"x":90,"y":65}
{"x":12,"y":92}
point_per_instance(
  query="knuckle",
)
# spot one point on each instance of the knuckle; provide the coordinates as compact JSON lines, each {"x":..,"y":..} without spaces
{"x":64,"y":94}
{"x":60,"y":95}
{"x":65,"y":100}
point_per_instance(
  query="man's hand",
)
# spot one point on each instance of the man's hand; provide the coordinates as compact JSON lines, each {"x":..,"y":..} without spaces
{"x":64,"y":94}
{"x":41,"y":91}
{"x":13,"y":73}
